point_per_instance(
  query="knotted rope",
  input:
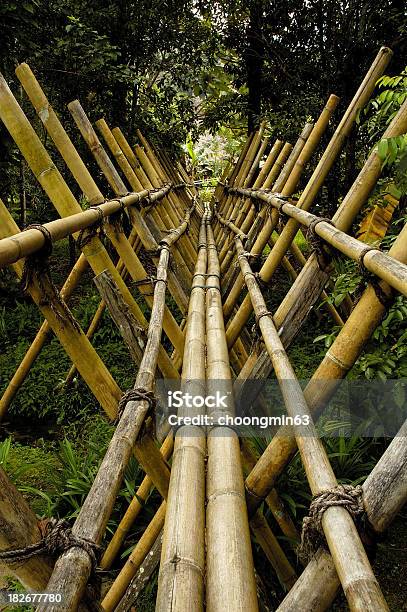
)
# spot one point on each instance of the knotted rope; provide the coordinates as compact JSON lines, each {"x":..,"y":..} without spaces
{"x":319,"y":247}
{"x":134,"y":395}
{"x":36,"y":268}
{"x":312,"y":536}
{"x":372,"y":279}
{"x":58,"y":539}
{"x":88,"y":233}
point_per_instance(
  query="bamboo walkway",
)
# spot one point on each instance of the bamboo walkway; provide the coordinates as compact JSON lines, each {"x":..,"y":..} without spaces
{"x":202,"y":255}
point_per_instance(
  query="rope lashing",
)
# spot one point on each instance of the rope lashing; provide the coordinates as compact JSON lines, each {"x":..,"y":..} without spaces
{"x":58,"y":539}
{"x":36,"y":268}
{"x":134,"y":395}
{"x":372,"y":279}
{"x":148,"y":280}
{"x":263,"y":313}
{"x":38,"y":261}
{"x":147,"y":200}
{"x":88,"y":233}
{"x":257,"y":337}
{"x":146,"y":257}
{"x":116,"y":218}
{"x":320,"y":248}
{"x":312,"y":535}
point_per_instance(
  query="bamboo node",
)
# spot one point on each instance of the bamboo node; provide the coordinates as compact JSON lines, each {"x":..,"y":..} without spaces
{"x":57,"y":539}
{"x":312,"y":535}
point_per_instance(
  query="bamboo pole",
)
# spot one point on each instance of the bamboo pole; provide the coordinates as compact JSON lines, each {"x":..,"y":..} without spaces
{"x":89,"y":364}
{"x":273,"y":172}
{"x":19,"y":528}
{"x":150,"y":244}
{"x":273,"y":551}
{"x":133,"y":510}
{"x":118,"y":239}
{"x":176,"y":196}
{"x":359,"y":584}
{"x":31,"y":240}
{"x":338,"y":360}
{"x":139,"y":274}
{"x":273,"y":500}
{"x":245,"y":221}
{"x":141,"y":224}
{"x":230,"y":575}
{"x":97,"y":317}
{"x":142,"y":576}
{"x":227,"y":204}
{"x":172,"y":208}
{"x":384,"y":494}
{"x":102,"y":159}
{"x":147,"y":455}
{"x":301,"y":154}
{"x":72,"y":569}
{"x":41,"y":337}
{"x":117,"y":153}
{"x":181,"y":576}
{"x":61,"y":139}
{"x":113,"y":597}
{"x":374,"y":260}
{"x":231,"y":204}
{"x":314,"y":184}
{"x":184,"y":257}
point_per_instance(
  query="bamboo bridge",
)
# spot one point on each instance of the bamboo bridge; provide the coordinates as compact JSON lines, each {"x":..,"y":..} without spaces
{"x":213,"y":487}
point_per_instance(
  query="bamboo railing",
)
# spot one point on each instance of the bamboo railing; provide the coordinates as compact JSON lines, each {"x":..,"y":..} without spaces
{"x":210,"y":482}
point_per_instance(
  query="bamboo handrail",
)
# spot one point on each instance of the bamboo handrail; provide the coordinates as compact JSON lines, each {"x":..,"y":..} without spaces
{"x":293,"y":309}
{"x":374,"y":260}
{"x":29,"y":241}
{"x":358,"y":581}
{"x":182,"y":567}
{"x":338,"y":360}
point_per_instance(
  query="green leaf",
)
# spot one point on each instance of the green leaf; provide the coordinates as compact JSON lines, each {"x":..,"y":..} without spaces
{"x":382,"y":149}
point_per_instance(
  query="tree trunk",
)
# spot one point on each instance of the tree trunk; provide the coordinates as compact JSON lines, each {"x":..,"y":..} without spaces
{"x":254,"y":64}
